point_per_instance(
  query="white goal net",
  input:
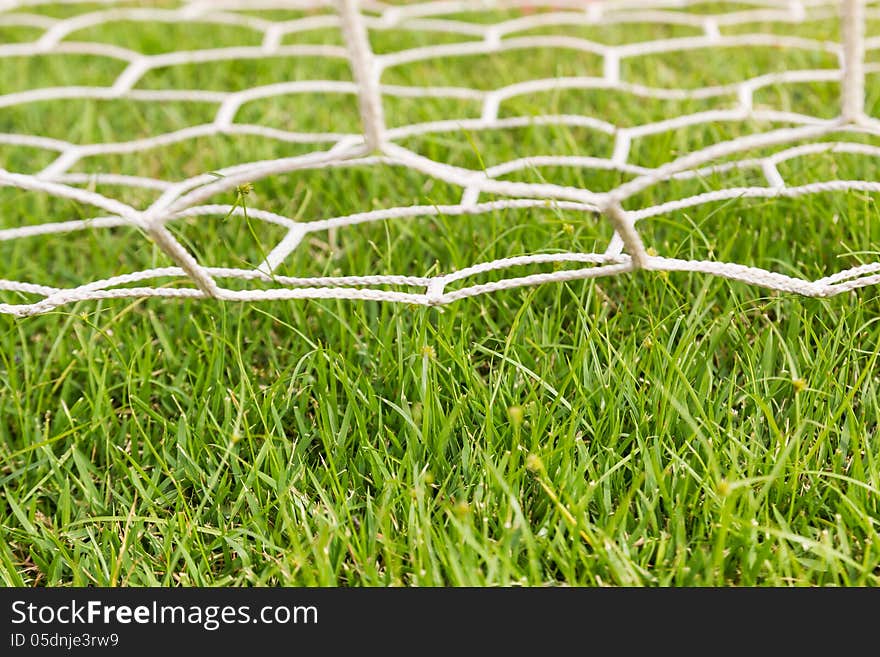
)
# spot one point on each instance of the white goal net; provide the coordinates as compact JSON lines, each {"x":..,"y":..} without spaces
{"x":179,"y":198}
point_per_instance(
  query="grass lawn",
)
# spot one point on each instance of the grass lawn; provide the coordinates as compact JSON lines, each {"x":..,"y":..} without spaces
{"x":647,"y":429}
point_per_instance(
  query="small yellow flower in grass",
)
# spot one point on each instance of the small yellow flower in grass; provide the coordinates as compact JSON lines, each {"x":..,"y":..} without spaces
{"x":245,"y":188}
{"x":534,"y":463}
{"x":428,"y":352}
{"x":568,"y":229}
{"x":799,"y":385}
{"x":461,"y":508}
{"x":724,"y":487}
{"x":516,"y":415}
{"x":651,"y":251}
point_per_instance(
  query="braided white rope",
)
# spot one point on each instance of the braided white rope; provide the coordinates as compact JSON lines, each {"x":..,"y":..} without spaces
{"x":852,"y":14}
{"x":366,"y":73}
{"x":377,"y":143}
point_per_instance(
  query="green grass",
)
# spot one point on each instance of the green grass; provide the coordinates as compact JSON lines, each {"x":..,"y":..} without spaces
{"x":648,"y":429}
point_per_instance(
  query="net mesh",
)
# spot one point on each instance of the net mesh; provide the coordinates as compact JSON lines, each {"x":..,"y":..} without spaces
{"x":482,"y":190}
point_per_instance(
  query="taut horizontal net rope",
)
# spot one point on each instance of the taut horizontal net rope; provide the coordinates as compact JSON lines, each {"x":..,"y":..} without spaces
{"x":530,"y":26}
